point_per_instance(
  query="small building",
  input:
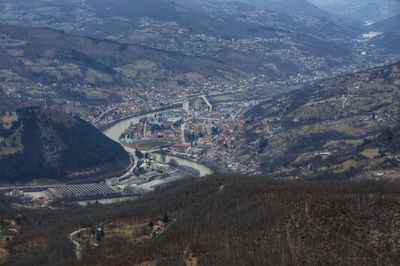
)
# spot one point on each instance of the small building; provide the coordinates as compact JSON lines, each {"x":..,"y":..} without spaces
{"x":183,"y":148}
{"x":112,"y":181}
{"x":159,"y":166}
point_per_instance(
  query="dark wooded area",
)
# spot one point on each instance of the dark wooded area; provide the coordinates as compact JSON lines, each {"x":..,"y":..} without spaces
{"x":227,"y":221}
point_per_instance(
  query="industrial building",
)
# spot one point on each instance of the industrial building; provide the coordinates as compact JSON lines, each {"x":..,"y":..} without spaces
{"x":82,"y":192}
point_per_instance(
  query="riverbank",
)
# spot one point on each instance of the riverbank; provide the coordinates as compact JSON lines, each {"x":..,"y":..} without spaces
{"x":141,"y":114}
{"x":116,"y":130}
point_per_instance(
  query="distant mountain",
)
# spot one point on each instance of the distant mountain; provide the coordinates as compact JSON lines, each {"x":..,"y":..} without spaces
{"x":387,"y":43}
{"x":134,"y":10}
{"x":65,"y":62}
{"x":168,"y":25}
{"x":362,"y":10}
{"x":290,"y":6}
{"x":391,"y":24}
{"x":162,"y":44}
{"x":164,"y":11}
{"x":303,"y":7}
{"x":345,"y":127}
{"x":111,"y":18}
{"x":47,"y":144}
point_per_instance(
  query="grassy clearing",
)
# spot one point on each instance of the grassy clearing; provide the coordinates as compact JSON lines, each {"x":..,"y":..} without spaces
{"x":370,"y":153}
{"x":153,"y":144}
{"x":7,"y":120}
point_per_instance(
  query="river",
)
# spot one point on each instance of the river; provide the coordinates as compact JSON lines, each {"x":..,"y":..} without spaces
{"x":115,"y":132}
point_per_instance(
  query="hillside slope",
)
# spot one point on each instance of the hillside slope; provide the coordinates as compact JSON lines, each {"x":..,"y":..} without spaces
{"x":366,"y":10}
{"x":114,"y":18}
{"x":222,"y":221}
{"x":55,"y":67}
{"x":391,"y":24}
{"x":339,"y":128}
{"x":212,"y":30}
{"x":387,"y":43}
{"x":51,"y":55}
{"x":8,"y":103}
{"x":50,"y":64}
{"x":160,"y":45}
{"x":290,"y":6}
{"x":43,"y":143}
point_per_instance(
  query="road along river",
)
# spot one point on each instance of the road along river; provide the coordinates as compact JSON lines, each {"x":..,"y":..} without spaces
{"x":115,"y":132}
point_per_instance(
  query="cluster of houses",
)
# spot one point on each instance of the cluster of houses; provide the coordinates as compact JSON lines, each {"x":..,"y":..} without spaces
{"x":156,"y":228}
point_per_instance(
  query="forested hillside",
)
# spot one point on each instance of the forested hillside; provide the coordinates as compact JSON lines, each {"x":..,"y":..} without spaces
{"x":43,"y":143}
{"x":223,"y":221}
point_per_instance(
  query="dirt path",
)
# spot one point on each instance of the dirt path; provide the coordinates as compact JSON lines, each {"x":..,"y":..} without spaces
{"x":78,"y":250}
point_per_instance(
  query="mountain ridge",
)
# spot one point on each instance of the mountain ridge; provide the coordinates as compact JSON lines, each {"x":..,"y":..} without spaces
{"x":364,"y":11}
